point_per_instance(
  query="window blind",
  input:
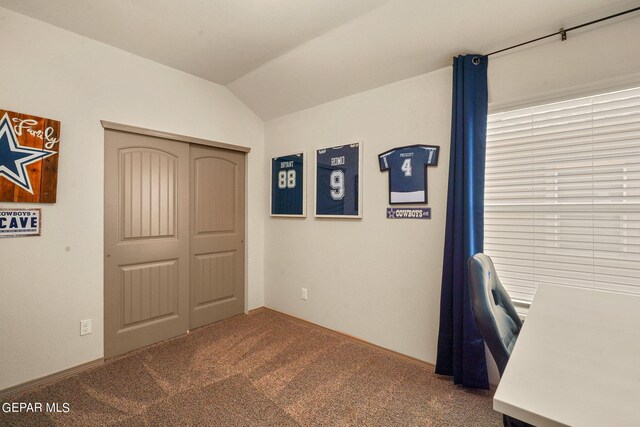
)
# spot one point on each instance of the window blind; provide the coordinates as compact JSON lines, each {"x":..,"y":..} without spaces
{"x":562,"y":194}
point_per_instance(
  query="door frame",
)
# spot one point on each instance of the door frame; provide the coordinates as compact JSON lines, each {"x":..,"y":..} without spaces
{"x":108,"y":125}
{"x":173,"y":136}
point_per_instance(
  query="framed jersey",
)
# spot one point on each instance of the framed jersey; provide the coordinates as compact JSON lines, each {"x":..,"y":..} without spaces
{"x":288,"y":196}
{"x":339,"y":181}
{"x":407,"y":168}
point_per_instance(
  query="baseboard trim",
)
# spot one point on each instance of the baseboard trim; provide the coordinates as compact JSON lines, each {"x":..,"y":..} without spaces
{"x":258,"y":310}
{"x":47,"y":379}
{"x":351,"y":338}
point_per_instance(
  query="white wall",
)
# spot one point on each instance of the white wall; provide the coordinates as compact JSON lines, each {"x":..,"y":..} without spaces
{"x":589,"y":60}
{"x":374,"y":278}
{"x":380,"y":279}
{"x":49,"y":283}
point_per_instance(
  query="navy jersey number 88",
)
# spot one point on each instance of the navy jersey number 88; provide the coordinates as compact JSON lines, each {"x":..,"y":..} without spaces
{"x":286,"y":185}
{"x":337,"y":180}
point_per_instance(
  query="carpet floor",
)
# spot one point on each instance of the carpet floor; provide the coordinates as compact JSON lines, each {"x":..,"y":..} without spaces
{"x":261,"y":369}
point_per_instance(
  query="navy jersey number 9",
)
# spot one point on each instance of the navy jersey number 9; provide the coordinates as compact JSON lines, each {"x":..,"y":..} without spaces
{"x":337,"y":180}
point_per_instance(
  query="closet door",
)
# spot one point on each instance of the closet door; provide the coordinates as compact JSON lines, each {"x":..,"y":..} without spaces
{"x":146,"y":287}
{"x":217,"y":234}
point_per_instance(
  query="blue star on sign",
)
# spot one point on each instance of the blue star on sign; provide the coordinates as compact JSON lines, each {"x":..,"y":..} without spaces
{"x":14,"y":157}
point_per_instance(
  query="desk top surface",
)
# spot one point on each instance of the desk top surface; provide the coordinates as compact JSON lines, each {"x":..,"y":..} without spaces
{"x":576,"y":361}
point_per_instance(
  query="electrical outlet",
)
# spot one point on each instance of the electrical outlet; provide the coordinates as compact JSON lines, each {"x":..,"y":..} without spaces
{"x":304,"y":293}
{"x":85,"y":327}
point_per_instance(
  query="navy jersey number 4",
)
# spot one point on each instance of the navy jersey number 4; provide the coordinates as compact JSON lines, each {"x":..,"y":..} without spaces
{"x":287,"y":185}
{"x":407,"y":168}
{"x":337,"y":180}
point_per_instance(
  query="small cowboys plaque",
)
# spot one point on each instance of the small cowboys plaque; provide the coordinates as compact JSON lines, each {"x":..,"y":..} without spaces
{"x":19,"y":222}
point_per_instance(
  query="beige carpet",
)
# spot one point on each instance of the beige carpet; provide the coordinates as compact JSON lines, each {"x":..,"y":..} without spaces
{"x":259,"y":370}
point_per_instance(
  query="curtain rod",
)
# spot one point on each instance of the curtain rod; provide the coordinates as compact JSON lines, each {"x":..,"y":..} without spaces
{"x":563,"y":31}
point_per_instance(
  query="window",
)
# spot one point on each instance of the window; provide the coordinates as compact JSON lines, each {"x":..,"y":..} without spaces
{"x":562,"y":194}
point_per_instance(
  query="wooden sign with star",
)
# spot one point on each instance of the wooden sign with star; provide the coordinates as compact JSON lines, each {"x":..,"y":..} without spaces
{"x":29,"y":147}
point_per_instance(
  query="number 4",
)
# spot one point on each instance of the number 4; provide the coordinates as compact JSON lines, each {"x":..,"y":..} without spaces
{"x":406,"y":167}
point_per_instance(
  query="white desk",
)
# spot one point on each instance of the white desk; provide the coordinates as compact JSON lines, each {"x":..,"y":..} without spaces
{"x":576,"y":361}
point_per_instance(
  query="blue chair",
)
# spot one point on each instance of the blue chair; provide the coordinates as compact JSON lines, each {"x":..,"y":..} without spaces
{"x":495,"y":314}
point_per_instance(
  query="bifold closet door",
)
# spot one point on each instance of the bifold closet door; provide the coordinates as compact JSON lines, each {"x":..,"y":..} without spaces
{"x":217,"y":234}
{"x":146,"y":287}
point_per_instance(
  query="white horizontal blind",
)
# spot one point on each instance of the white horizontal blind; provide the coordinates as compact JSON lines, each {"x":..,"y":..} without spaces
{"x":562,"y":194}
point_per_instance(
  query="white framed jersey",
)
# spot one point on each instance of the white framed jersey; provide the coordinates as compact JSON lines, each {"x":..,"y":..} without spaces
{"x":287,"y":185}
{"x":338,"y":181}
{"x":407,"y":168}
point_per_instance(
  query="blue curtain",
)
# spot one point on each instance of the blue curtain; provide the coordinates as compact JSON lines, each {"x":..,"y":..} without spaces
{"x":460,"y":347}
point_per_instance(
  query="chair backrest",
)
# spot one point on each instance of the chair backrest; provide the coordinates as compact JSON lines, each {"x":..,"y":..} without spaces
{"x":493,"y":309}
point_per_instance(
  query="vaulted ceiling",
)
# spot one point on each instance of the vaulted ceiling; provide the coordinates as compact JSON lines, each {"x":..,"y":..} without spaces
{"x":281,"y":56}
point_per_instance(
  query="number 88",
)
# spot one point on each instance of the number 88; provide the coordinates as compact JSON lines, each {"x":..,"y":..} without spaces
{"x":287,"y":179}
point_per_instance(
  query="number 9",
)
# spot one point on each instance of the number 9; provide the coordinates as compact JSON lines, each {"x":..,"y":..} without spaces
{"x":337,"y":184}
